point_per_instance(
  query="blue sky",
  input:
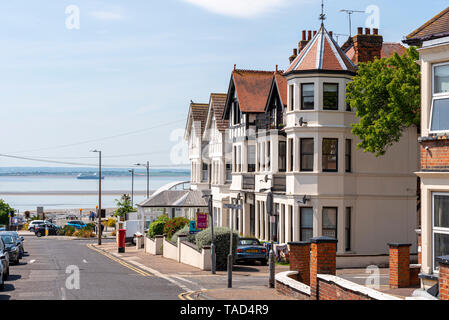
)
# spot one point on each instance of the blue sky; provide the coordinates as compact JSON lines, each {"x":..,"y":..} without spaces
{"x":135,"y":65}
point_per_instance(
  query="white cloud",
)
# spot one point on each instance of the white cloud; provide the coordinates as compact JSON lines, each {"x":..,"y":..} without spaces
{"x":106,"y":15}
{"x":240,"y":8}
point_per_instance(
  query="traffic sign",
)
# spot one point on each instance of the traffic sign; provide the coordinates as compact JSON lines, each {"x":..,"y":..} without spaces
{"x":233,"y":206}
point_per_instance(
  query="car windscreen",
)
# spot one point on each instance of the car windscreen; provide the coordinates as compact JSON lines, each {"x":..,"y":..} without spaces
{"x":7,"y":239}
{"x":249,"y":242}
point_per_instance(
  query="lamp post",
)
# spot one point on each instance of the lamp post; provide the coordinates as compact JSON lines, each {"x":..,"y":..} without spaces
{"x":147,"y":165}
{"x":231,"y":207}
{"x":99,"y":196}
{"x":132,"y":187}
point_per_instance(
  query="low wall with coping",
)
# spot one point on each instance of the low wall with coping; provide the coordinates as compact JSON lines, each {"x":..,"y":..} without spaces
{"x":189,"y":254}
{"x":170,"y":250}
{"x":154,"y":246}
{"x":286,"y":284}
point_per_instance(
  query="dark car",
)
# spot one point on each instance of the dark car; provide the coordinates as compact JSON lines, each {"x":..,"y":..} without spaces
{"x":4,"y":257}
{"x":19,"y":241}
{"x":39,"y":231}
{"x":250,"y":249}
{"x":11,"y":247}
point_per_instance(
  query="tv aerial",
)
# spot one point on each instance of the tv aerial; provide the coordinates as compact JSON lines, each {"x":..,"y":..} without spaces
{"x":349,"y":13}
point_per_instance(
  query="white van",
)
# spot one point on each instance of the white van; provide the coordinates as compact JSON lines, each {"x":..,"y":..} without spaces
{"x":34,"y":223}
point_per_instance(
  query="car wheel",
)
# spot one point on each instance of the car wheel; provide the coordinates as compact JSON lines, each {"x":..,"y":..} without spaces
{"x":16,"y":261}
{"x":39,"y":234}
{"x":2,"y":285}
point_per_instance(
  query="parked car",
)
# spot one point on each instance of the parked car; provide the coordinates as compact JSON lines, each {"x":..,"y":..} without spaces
{"x":33,"y":224}
{"x":19,"y":241}
{"x":77,"y":224}
{"x":52,"y":229}
{"x":11,"y":247}
{"x":249,"y":249}
{"x":4,"y":257}
{"x":2,"y":282}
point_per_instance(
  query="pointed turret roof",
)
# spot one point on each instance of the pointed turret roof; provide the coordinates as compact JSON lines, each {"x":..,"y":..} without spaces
{"x":322,"y":54}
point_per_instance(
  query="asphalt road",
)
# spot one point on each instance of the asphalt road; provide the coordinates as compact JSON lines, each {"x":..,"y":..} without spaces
{"x":42,"y":275}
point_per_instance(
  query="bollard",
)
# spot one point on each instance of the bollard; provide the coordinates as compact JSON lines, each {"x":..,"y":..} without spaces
{"x":121,"y":240}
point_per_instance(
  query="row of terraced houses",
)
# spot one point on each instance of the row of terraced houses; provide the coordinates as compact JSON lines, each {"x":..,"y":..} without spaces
{"x":289,"y":133}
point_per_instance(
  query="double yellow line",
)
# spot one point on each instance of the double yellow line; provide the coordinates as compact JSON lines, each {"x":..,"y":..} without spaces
{"x":188,"y":295}
{"x":123,"y":263}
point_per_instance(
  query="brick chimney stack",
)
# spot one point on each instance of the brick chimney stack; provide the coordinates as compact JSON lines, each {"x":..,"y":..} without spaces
{"x":367,"y":46}
{"x":294,"y":55}
{"x":304,"y":41}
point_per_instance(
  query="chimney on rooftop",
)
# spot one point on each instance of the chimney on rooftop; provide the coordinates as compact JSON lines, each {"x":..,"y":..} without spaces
{"x":314,"y":33}
{"x":294,"y":55}
{"x":367,"y":46}
{"x":302,"y":44}
{"x":309,"y":35}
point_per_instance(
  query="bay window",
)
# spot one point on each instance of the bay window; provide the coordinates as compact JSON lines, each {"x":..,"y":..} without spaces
{"x":440,"y":99}
{"x":440,"y":230}
{"x":307,"y":96}
{"x":330,"y":96}
{"x":330,"y":222}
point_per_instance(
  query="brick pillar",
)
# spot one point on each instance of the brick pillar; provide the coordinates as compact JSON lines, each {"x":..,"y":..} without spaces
{"x":323,"y":260}
{"x":299,"y":255}
{"x":418,"y":232}
{"x":443,"y":277}
{"x":399,"y":265}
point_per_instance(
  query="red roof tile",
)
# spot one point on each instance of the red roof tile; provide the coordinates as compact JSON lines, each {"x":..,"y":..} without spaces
{"x":217,"y":105}
{"x":388,"y":49}
{"x":282,"y":84}
{"x":438,"y":25}
{"x":322,"y":53}
{"x":252,"y":88}
{"x":198,"y":112}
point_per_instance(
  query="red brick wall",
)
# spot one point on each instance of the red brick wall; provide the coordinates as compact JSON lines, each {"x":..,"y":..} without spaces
{"x":367,"y":47}
{"x":331,"y":291}
{"x":288,"y":291}
{"x":437,"y":155}
{"x":414,"y":275}
{"x":399,"y":266}
{"x":443,"y":281}
{"x":299,"y":254}
{"x":323,"y":260}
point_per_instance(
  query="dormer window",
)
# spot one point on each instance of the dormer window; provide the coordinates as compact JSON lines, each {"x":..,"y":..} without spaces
{"x":330,"y":96}
{"x":440,"y":99}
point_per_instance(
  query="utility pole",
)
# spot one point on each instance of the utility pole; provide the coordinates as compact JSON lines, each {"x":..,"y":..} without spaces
{"x":269,"y":209}
{"x":231,"y":208}
{"x":99,"y":197}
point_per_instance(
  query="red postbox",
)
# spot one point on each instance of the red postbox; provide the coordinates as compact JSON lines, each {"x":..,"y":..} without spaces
{"x":121,"y":240}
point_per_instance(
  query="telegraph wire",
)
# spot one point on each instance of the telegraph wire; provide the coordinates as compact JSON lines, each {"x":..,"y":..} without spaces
{"x":101,"y":139}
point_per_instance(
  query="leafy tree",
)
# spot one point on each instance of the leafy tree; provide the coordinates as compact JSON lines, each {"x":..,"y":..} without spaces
{"x":5,"y":210}
{"x":124,"y":206}
{"x":387,"y":98}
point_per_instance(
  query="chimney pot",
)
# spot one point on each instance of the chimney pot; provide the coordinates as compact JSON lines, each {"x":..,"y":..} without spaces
{"x":367,"y":31}
{"x":235,"y":67}
{"x":331,"y":33}
{"x":303,"y":35}
{"x":314,"y":33}
{"x":295,"y":52}
{"x":309,"y":35}
{"x":375,"y":31}
{"x":359,"y":30}
{"x":276,"y":68}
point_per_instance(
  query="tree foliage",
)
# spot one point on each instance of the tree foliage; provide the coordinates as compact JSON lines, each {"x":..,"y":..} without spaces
{"x":386,"y":96}
{"x":124,"y":206}
{"x":5,"y":210}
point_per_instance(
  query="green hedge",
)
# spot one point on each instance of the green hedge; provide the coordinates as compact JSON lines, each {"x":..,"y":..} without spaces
{"x":173,"y":225}
{"x":185,"y":232}
{"x":204,"y":238}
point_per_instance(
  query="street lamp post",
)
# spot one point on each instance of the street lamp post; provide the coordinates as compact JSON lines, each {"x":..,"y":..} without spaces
{"x":132,"y":187}
{"x":99,"y":196}
{"x":147,"y":165}
{"x":212,"y":243}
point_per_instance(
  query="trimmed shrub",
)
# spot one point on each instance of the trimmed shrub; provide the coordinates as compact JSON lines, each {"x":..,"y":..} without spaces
{"x":68,"y":231}
{"x":175,"y":224}
{"x":204,"y":238}
{"x":163,"y":217}
{"x":185,"y":232}
{"x":156,"y":229}
{"x":91,"y":226}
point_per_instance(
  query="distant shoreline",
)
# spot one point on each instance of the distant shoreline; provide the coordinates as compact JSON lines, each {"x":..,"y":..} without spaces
{"x":72,"y":193}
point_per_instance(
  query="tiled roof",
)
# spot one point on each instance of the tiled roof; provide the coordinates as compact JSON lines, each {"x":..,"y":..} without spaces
{"x":281,"y":83}
{"x":252,"y":88}
{"x":175,"y":199}
{"x":322,"y":53}
{"x":198,"y":111}
{"x":436,"y":27}
{"x":388,"y":49}
{"x":218,"y":102}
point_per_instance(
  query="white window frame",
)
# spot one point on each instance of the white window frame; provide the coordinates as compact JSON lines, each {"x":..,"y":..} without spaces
{"x":436,"y":229}
{"x":437,"y":96}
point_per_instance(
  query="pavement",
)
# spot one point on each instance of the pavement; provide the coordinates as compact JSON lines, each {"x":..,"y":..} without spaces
{"x":250,"y":282}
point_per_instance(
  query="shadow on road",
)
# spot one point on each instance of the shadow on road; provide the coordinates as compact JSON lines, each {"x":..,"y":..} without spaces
{"x":14,"y":277}
{"x":4,"y":297}
{"x":8,"y":287}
